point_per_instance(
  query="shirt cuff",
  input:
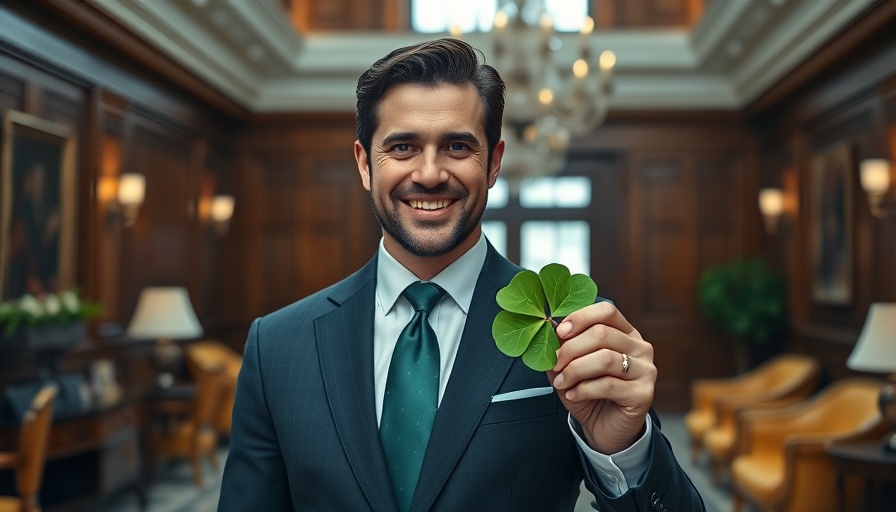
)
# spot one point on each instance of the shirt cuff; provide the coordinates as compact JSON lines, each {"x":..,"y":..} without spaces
{"x":619,"y":471}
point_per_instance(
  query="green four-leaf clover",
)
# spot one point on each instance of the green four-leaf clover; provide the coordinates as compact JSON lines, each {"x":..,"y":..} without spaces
{"x":531,"y":304}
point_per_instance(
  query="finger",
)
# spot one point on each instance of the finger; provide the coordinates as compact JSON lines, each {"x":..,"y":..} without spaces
{"x":600,"y":313}
{"x":603,"y":363}
{"x":623,"y":393}
{"x":598,"y":337}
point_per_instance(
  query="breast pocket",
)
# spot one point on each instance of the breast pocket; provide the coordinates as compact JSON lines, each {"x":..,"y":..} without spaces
{"x":521,"y":409}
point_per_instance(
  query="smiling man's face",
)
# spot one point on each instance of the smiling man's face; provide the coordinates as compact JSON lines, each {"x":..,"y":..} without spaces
{"x":430,"y":176}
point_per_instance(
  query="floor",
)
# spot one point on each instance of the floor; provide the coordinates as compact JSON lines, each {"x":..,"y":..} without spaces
{"x":174,"y":490}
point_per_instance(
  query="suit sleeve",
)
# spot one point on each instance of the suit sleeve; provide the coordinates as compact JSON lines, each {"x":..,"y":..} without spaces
{"x":254,"y":474}
{"x":664,"y":486}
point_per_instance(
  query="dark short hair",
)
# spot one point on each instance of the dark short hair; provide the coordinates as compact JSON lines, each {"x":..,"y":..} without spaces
{"x":430,"y":63}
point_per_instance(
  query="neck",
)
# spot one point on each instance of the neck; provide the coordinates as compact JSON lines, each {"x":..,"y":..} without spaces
{"x":427,"y":267}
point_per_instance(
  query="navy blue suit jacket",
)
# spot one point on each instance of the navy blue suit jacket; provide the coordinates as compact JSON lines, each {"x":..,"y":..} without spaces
{"x":305,"y":435}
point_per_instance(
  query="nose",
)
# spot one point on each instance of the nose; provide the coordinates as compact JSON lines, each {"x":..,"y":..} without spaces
{"x":431,"y":171}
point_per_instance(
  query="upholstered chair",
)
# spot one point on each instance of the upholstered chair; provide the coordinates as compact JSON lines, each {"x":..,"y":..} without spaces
{"x":783,"y":465}
{"x":28,"y":460}
{"x":776,"y":380}
{"x":786,"y":380}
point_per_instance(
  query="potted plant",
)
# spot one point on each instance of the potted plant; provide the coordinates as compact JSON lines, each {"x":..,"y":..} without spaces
{"x":747,"y":299}
{"x":50,"y":322}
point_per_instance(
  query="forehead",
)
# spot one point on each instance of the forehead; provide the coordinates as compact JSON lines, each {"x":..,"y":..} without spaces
{"x":423,"y":109}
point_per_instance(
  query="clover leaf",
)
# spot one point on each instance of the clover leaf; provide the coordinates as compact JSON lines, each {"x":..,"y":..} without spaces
{"x":532,"y":304}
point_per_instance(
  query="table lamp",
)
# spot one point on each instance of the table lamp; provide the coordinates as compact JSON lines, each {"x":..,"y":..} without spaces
{"x":164,"y":314}
{"x":876,"y":352}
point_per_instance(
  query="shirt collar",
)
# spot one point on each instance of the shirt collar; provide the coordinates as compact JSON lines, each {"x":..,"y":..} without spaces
{"x":458,"y":279}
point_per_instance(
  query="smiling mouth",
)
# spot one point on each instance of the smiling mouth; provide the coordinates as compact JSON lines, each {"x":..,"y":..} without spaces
{"x":429,"y":205}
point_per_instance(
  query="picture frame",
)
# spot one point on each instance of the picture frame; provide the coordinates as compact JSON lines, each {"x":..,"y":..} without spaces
{"x":38,"y":214}
{"x":831,"y":224}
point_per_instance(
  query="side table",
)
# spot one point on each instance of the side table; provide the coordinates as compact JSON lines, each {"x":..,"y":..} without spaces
{"x":866,"y":460}
{"x":160,"y":407}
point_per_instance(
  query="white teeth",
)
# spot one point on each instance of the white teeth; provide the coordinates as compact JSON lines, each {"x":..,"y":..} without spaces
{"x":429,"y":205}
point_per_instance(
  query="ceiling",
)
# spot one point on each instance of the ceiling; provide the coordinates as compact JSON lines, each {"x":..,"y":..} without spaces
{"x":251,"y":53}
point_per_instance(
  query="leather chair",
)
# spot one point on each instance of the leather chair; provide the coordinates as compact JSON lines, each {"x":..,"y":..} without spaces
{"x":785,"y":380}
{"x":194,"y":437}
{"x":783,"y":465}
{"x":775,"y":380}
{"x":28,"y":461}
{"x":212,"y":352}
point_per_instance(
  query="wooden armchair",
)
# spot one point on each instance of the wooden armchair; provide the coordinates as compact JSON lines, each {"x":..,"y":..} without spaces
{"x":716,"y":400}
{"x":28,"y":461}
{"x":194,"y":436}
{"x":783,"y":465}
{"x":211,"y":352}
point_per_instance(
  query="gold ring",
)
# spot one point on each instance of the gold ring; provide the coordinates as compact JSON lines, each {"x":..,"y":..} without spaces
{"x":624,"y":363}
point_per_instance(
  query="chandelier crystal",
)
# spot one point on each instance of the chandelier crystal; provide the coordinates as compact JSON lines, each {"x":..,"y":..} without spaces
{"x":548,"y":100}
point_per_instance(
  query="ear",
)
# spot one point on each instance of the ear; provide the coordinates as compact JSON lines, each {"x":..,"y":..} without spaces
{"x":494,"y":168}
{"x":363,"y":167}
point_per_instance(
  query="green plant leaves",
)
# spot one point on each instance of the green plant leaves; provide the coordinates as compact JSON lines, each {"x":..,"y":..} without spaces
{"x":532,"y":303}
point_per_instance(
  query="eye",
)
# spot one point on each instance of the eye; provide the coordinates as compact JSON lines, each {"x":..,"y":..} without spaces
{"x":401,"y":148}
{"x":458,"y":146}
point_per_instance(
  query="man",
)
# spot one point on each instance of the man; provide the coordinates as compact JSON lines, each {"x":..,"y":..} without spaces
{"x":321,"y":419}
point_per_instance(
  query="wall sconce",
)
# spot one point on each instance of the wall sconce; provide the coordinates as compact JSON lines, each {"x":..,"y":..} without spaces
{"x":875,"y":178}
{"x":130,"y":194}
{"x":771,"y":204}
{"x":220,"y":212}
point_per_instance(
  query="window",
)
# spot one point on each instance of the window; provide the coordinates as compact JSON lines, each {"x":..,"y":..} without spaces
{"x":429,"y":16}
{"x":547,"y":222}
{"x":566,"y":242}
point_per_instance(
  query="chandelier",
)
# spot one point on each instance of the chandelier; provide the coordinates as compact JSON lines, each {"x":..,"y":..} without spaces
{"x":548,"y":100}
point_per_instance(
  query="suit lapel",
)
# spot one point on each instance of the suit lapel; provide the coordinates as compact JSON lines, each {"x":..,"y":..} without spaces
{"x":477,"y":374}
{"x":345,"y":349}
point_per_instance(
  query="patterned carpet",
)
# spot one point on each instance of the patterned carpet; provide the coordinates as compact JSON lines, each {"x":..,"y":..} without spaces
{"x":174,"y":490}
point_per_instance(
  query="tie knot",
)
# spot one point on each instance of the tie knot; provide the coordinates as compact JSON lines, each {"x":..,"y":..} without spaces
{"x":423,"y":296}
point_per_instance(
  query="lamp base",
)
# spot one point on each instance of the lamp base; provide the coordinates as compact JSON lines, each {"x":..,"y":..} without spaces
{"x":887,"y":403}
{"x":167,"y":357}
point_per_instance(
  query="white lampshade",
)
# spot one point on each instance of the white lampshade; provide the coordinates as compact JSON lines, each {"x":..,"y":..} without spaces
{"x":164,"y":312}
{"x":876,"y":349}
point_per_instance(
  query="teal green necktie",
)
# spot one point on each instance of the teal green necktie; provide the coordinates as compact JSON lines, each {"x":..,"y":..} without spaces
{"x":412,"y":394}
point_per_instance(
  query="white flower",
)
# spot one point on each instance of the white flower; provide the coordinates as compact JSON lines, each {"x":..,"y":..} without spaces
{"x":70,"y":302}
{"x":52,"y":305}
{"x":29,"y":304}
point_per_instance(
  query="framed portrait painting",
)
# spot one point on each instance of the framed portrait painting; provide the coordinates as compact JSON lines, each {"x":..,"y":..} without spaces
{"x":831,"y":224}
{"x":37,"y":217}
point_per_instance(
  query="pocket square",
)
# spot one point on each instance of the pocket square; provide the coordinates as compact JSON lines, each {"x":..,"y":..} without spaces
{"x":522,"y":393}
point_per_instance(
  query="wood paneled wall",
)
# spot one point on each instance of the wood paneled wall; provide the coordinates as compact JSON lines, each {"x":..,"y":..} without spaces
{"x":126,"y":119}
{"x":678,"y":199}
{"x":849,"y":99}
{"x":309,"y":222}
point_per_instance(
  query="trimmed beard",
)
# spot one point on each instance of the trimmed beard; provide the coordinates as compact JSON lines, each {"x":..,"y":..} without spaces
{"x":398,"y":230}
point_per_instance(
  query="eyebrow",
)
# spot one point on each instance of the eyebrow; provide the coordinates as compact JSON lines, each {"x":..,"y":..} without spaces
{"x":393,"y":138}
{"x":399,"y":137}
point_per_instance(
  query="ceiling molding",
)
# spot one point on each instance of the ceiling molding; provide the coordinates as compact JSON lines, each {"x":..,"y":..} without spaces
{"x":249,"y":52}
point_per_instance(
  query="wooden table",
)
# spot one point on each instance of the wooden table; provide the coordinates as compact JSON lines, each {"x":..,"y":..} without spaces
{"x":867,"y":460}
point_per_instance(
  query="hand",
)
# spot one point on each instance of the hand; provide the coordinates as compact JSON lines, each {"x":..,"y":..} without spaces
{"x":610,"y":404}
